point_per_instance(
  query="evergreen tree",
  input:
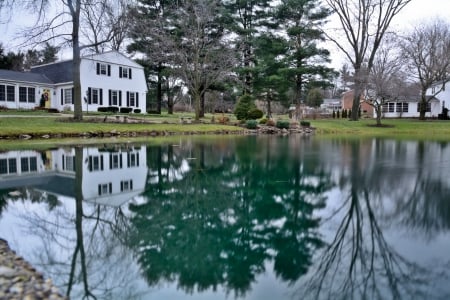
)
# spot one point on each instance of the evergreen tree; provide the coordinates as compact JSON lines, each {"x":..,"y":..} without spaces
{"x":314,"y":98}
{"x":302,"y":20}
{"x":245,"y":19}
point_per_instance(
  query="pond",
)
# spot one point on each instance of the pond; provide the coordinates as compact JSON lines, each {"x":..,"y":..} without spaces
{"x":260,"y":217}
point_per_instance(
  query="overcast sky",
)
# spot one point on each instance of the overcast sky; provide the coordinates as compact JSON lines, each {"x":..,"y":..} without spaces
{"x":415,"y":12}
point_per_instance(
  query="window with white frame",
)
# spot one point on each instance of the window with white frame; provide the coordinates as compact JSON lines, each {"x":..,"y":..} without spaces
{"x":402,"y":107}
{"x":2,"y":92}
{"x":27,"y":94}
{"x":95,"y":96}
{"x":8,"y":166}
{"x":114,"y":97}
{"x":132,"y":99}
{"x":28,"y":164}
{"x":126,"y":185}
{"x":104,"y":188}
{"x":68,"y":96}
{"x":115,"y":161}
{"x":68,"y":163}
{"x":10,"y":93}
{"x":95,"y":163}
{"x":133,"y":159}
{"x":103,"y":69}
{"x":125,"y":72}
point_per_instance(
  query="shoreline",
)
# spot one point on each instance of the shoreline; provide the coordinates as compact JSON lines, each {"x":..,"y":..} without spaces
{"x":20,"y":280}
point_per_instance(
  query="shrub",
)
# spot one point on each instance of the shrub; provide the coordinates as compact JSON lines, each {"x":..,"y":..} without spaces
{"x":254,"y":114}
{"x":112,"y":109}
{"x":137,"y":111}
{"x":305,"y":123}
{"x":244,"y":105}
{"x":263,"y":121}
{"x":126,"y":110}
{"x":252,"y":124}
{"x":102,"y":109}
{"x":283,"y":124}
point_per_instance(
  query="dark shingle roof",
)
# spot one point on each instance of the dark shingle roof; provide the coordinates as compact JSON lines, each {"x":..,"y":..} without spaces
{"x":24,"y":77}
{"x":57,"y":72}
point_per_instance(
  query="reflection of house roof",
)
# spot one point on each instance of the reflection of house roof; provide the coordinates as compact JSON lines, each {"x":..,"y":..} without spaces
{"x":24,"y":77}
{"x":115,"y":200}
{"x":50,"y":182}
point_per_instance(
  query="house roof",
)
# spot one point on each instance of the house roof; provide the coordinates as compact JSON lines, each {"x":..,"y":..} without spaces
{"x":57,"y":72}
{"x":24,"y":77}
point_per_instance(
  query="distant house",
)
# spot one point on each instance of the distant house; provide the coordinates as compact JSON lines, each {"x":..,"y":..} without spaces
{"x":107,"y":79}
{"x":409,"y":108}
{"x":442,"y":93}
{"x":347,"y":103}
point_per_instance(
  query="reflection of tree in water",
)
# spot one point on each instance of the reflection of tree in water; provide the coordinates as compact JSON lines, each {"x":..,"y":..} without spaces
{"x":81,"y":248}
{"x":225,"y":213}
{"x":359,"y":263}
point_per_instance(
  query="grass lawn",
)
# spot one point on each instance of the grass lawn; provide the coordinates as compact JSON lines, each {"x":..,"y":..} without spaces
{"x":37,"y":124}
{"x":391,"y":128}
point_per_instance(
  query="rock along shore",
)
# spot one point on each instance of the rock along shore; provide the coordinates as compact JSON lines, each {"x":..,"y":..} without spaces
{"x":19,"y":280}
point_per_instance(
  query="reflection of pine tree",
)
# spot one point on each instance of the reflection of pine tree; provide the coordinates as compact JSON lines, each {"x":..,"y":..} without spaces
{"x":225,"y":215}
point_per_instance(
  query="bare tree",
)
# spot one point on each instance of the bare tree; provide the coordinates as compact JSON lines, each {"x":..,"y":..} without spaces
{"x":427,"y":49}
{"x":386,"y":81}
{"x":364,"y":23}
{"x":110,"y":21}
{"x":201,"y":55}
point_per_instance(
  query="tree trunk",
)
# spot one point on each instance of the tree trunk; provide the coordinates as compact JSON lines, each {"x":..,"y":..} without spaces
{"x":378,"y":109}
{"x":159,"y":89}
{"x":202,"y":105}
{"x":197,"y":106}
{"x":422,"y":105}
{"x":76,"y":97}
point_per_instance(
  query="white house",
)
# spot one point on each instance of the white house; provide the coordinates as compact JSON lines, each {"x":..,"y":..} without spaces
{"x":110,"y":176}
{"x":107,"y":79}
{"x":409,"y":108}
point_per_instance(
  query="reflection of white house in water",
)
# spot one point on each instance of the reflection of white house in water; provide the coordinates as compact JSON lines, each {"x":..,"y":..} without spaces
{"x":110,"y":175}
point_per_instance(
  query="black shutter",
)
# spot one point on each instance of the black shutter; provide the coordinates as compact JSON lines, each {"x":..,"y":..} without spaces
{"x":121,"y":186}
{"x":128,"y":160}
{"x":99,"y":189}
{"x":109,"y":97}
{"x":101,"y":162}
{"x":131,"y":184}
{"x":101,"y":96}
{"x":63,"y":162}
{"x":89,"y":95}
{"x":129,"y":72}
{"x":90,"y":163}
{"x":137,"y":159}
{"x":120,"y":72}
{"x":128,"y":98}
{"x":120,"y":160}
{"x":110,"y":161}
{"x":98,"y":68}
{"x":62,"y":96}
{"x":110,"y":188}
{"x":137,"y":99}
{"x":109,"y":70}
{"x":73,"y":96}
{"x":120,"y":98}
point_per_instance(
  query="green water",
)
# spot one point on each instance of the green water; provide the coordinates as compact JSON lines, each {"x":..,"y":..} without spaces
{"x":234,"y":217}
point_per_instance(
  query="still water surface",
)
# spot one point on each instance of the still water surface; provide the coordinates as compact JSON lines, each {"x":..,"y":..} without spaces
{"x":234,"y":217}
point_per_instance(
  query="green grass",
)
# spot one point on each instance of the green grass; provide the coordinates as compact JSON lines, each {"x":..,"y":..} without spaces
{"x":391,"y":128}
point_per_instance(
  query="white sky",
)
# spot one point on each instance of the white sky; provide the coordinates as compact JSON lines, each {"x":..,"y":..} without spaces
{"x":417,"y":11}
